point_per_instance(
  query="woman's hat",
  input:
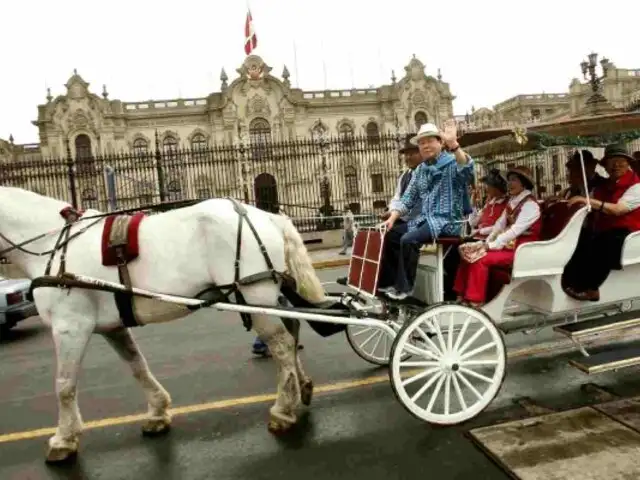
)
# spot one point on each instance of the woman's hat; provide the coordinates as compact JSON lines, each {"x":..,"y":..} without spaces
{"x":524,"y":174}
{"x":616,"y":150}
{"x":587,"y":157}
{"x":495,"y":179}
{"x":408,"y":146}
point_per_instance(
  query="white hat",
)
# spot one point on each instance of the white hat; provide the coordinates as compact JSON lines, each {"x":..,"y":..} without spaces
{"x":426,"y":130}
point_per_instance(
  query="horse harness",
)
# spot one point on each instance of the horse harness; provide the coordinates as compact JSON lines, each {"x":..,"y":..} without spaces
{"x":117,"y":243}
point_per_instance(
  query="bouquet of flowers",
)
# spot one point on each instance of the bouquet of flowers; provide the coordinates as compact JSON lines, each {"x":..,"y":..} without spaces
{"x":473,"y":251}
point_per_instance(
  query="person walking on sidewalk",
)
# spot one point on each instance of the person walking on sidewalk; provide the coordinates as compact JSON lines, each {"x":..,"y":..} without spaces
{"x":347,"y":239}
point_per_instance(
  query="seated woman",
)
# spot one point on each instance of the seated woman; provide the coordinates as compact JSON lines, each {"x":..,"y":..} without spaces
{"x":615,"y":215}
{"x":519,"y":223}
{"x":482,"y":221}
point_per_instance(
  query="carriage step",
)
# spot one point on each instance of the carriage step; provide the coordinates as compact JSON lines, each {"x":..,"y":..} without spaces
{"x":609,"y":360}
{"x":599,"y":325}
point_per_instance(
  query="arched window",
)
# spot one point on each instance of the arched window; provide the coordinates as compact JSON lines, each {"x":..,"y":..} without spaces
{"x":373,"y":133}
{"x":140,"y":147}
{"x":259,"y":136}
{"x":84,"y":156}
{"x":198,"y":142}
{"x":89,"y":198}
{"x":346,"y":134}
{"x":174,"y":190}
{"x":351,"y":189}
{"x":420,"y":119}
{"x":170,"y":147}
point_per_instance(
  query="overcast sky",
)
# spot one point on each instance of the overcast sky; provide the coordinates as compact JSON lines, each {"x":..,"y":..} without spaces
{"x":142,"y":49}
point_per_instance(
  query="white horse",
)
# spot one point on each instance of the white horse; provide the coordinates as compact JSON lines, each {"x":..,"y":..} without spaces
{"x":182,"y":252}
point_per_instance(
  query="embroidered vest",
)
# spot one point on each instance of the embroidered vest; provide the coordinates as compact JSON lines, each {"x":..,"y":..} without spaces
{"x":491,"y":213}
{"x":611,"y":193}
{"x":532,"y":233}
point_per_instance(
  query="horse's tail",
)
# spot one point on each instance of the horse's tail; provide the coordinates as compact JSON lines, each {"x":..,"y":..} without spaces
{"x":299,"y":263}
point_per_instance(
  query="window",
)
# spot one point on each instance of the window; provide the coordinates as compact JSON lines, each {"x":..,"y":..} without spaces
{"x":170,"y":147}
{"x":84,"y":156}
{"x":174,"y":190}
{"x":259,"y":136}
{"x":351,"y":182}
{"x":373,"y":133}
{"x":346,"y":134}
{"x":420,"y":118}
{"x":140,"y":147}
{"x":377,"y":183}
{"x":89,"y":198}
{"x":198,"y":142}
{"x":535,"y":113}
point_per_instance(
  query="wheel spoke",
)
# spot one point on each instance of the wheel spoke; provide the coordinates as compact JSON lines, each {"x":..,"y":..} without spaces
{"x":447,"y":394}
{"x":450,"y":334}
{"x":420,"y":376}
{"x":469,"y":342}
{"x":422,"y":364}
{"x":426,"y":338}
{"x":426,"y":386}
{"x":467,"y":383}
{"x":375,"y":345}
{"x":476,"y":375}
{"x":436,"y":392}
{"x":466,"y":323}
{"x":376,"y":332}
{"x":478,"y":363}
{"x":456,"y":387}
{"x":478,"y":350}
{"x":436,"y":326}
{"x":362,"y":331}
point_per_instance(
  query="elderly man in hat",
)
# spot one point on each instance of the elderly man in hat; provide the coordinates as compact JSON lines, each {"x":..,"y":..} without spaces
{"x":576,"y":180}
{"x":438,"y":186}
{"x":520,"y":222}
{"x":615,"y":214}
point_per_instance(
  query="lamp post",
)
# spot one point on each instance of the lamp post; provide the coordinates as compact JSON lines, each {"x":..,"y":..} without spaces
{"x":589,"y":72}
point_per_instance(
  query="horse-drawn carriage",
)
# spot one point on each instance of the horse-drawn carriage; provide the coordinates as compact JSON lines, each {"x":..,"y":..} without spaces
{"x":446,"y":361}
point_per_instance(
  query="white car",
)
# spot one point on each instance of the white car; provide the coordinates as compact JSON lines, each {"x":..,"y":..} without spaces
{"x":14,"y":305}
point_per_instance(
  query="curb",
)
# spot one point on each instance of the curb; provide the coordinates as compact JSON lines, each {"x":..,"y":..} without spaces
{"x":326,"y":264}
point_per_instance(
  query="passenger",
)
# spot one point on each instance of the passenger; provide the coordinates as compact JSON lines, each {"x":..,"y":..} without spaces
{"x":438,"y":187}
{"x":482,"y":221}
{"x":615,"y":215}
{"x":576,"y":181}
{"x":519,"y":223}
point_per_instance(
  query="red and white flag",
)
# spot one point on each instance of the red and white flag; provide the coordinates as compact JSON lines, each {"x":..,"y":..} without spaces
{"x":250,"y":38}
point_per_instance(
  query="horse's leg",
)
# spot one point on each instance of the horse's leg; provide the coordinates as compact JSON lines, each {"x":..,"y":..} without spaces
{"x":282,"y":346}
{"x":158,"y":417}
{"x":70,"y":337}
{"x":306,"y":384}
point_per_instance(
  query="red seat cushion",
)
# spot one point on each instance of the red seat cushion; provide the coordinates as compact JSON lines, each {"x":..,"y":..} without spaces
{"x":448,"y":241}
{"x":555,"y":217}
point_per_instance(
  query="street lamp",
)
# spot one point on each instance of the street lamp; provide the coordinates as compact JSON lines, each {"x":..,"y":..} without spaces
{"x":589,"y":73}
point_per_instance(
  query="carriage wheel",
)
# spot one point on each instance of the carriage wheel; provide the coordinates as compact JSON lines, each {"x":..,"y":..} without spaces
{"x":373,"y":344}
{"x":456,"y":374}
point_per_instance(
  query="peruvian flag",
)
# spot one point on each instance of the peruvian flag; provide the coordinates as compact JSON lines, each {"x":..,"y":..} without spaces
{"x":250,"y":38}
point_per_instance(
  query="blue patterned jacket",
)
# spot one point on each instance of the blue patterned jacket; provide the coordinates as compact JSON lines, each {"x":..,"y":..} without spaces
{"x":441,"y":188}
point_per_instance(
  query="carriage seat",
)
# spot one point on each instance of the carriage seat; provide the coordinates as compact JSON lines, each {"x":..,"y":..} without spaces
{"x":554,"y":218}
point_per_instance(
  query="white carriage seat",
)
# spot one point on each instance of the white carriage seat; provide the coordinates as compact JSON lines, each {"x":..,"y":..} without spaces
{"x":561,"y":227}
{"x":631,"y":250}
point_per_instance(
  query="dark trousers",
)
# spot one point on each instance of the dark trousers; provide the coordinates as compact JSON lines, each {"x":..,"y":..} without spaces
{"x":596,"y":254}
{"x":400,"y":256}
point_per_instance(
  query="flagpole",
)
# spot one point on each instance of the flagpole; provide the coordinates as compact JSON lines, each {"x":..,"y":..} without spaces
{"x":353,"y":85}
{"x":295,"y":64}
{"x":324,"y":65}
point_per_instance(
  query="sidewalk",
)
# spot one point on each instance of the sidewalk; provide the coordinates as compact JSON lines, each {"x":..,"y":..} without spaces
{"x":329,"y":258}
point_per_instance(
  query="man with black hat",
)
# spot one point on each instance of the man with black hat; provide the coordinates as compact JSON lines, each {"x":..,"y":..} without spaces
{"x":576,"y":180}
{"x":412,"y":159}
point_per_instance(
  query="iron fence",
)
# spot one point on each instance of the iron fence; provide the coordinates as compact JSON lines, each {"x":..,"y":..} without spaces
{"x":311,"y":180}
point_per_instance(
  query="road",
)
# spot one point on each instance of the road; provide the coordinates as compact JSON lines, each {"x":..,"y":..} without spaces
{"x":356,"y":429}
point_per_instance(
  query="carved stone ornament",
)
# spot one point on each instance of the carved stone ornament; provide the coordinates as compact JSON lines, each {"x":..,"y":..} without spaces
{"x":418,"y":98}
{"x":258,"y":105}
{"x":77,"y":88}
{"x":255,"y":71}
{"x":415,"y":69}
{"x":79,"y":119}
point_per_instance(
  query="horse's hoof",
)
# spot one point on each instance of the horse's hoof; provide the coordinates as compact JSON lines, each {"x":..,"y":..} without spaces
{"x":61,"y":455}
{"x":278,"y":427}
{"x":156,"y":427}
{"x":306,"y":393}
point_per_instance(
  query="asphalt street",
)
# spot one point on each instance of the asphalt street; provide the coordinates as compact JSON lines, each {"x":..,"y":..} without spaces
{"x":355,"y":430}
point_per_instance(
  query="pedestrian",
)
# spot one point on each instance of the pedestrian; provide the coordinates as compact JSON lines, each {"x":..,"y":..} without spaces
{"x":347,"y":236}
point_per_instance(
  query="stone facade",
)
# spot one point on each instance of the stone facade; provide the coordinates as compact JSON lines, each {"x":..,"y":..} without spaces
{"x":256,"y":103}
{"x":620,"y":88}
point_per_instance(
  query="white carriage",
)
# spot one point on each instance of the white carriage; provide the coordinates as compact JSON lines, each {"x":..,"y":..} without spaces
{"x":446,"y":360}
